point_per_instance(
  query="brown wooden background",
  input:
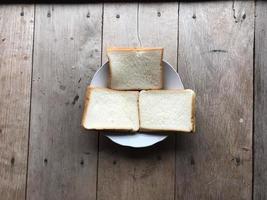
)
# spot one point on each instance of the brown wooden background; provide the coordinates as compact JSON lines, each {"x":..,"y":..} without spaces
{"x":48,"y":54}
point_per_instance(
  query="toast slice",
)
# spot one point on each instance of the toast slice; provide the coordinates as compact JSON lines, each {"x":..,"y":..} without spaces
{"x":135,"y":68}
{"x":107,"y":109}
{"x":167,"y":110}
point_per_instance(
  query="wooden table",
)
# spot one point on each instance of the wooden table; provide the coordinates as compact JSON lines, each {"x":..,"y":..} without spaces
{"x":48,"y":55}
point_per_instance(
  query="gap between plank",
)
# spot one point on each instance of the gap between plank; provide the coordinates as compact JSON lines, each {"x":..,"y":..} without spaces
{"x":253,"y":105}
{"x":98,"y":134}
{"x":175,"y":142}
{"x":175,"y":137}
{"x":29,"y":131}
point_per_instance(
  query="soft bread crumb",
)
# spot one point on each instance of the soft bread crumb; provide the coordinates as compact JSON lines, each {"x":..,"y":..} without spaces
{"x":107,"y":109}
{"x":135,"y":68}
{"x":167,"y":110}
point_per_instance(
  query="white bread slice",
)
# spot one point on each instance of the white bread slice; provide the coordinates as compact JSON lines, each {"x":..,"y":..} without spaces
{"x":107,"y":109}
{"x":167,"y":110}
{"x":135,"y":68}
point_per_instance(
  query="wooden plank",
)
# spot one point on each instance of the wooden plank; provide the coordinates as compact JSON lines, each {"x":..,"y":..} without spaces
{"x":126,"y":173}
{"x":67,"y":51}
{"x":16,"y":41}
{"x":216,"y":60}
{"x":260,"y":114}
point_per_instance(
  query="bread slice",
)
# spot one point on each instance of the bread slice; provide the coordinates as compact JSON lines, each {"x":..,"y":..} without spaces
{"x":107,"y":109}
{"x":167,"y":110}
{"x":135,"y":68}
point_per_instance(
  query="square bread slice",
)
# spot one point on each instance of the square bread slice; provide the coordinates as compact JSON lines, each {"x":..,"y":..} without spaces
{"x":167,"y":110}
{"x":135,"y":68}
{"x":107,"y":109}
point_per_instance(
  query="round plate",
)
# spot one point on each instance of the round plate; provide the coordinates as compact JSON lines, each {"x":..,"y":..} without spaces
{"x":171,"y":81}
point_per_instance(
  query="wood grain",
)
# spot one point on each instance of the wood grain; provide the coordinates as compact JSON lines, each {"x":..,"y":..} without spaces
{"x":16,"y":40}
{"x":67,"y":51}
{"x":260,"y":113}
{"x":126,"y":173}
{"x":216,"y":60}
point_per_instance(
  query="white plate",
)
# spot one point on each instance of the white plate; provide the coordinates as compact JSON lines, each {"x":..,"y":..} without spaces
{"x":171,"y":81}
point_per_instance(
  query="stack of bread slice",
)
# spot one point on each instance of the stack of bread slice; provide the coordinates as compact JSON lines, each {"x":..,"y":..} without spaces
{"x":135,"y":100}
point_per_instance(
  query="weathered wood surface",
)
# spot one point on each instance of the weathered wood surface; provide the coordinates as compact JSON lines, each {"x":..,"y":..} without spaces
{"x":16,"y":39}
{"x":216,"y":60}
{"x":260,"y":103}
{"x":67,"y":51}
{"x":149,"y":173}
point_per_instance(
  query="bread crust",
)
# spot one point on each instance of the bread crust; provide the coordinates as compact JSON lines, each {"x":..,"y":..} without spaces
{"x":86,"y":107}
{"x":112,"y":49}
{"x":113,"y":130}
{"x":163,"y":130}
{"x":193,"y":120}
{"x":133,"y":49}
{"x":168,"y":90}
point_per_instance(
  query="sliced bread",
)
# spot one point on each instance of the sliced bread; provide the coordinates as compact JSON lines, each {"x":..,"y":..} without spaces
{"x":107,"y":109}
{"x":135,"y":68}
{"x":167,"y":110}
